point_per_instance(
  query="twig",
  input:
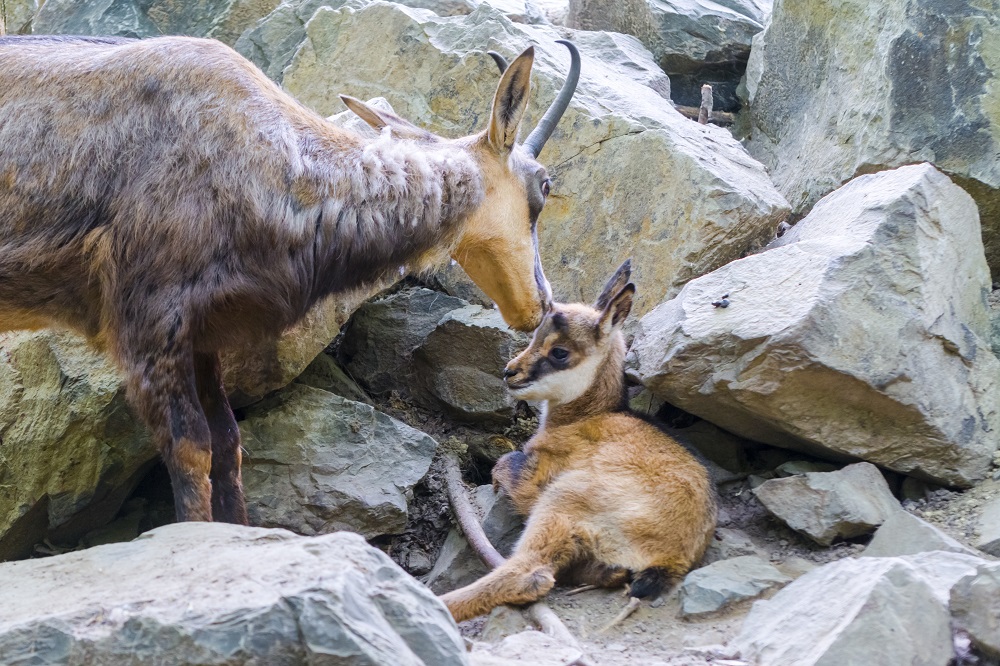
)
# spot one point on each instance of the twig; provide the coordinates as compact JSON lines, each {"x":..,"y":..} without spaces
{"x":539,"y":612}
{"x":706,"y":104}
{"x":466,"y":516}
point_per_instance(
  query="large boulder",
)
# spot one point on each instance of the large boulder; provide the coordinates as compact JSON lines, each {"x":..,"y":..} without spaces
{"x":317,"y":462}
{"x":71,"y":447}
{"x":840,"y":88}
{"x":629,"y":171}
{"x":695,"y":42}
{"x":975,"y":605}
{"x":891,"y":611}
{"x":826,"y":506}
{"x":224,"y":20}
{"x":210,"y":593}
{"x":860,"y":333}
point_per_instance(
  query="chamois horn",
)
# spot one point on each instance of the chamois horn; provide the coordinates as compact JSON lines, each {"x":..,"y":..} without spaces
{"x":536,"y":140}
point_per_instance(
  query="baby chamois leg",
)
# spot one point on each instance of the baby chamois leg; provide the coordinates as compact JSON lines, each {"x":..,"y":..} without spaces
{"x":547,"y":545}
{"x":163,"y":389}
{"x":228,"y":503}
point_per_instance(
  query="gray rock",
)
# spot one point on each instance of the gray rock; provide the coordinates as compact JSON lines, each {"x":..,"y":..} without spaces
{"x":826,"y":506}
{"x":457,"y":564}
{"x":796,"y":467}
{"x":712,"y":588}
{"x":526,"y":647}
{"x":626,"y":165}
{"x":211,"y":593}
{"x":848,"y":87}
{"x":905,"y":534}
{"x":993,"y":301}
{"x":460,"y":365}
{"x":988,"y":528}
{"x":694,"y":41}
{"x":224,"y":20}
{"x":722,"y":448}
{"x":729,"y":543}
{"x":317,"y":462}
{"x":975,"y":606}
{"x":325,"y":374}
{"x":876,"y":297}
{"x":381,"y":336}
{"x":17,"y":16}
{"x":72,"y":450}
{"x":890,"y":611}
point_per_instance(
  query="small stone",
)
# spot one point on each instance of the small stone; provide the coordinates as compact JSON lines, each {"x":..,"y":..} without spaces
{"x":712,"y":588}
{"x":905,"y":534}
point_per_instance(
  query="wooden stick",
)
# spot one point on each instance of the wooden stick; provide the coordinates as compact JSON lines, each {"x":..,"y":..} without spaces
{"x":706,"y":104}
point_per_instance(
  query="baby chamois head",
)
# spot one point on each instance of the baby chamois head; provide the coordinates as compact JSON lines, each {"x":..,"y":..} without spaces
{"x":576,"y":346}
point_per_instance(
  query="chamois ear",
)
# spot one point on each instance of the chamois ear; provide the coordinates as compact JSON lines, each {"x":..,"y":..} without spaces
{"x":510,"y":101}
{"x":379,"y":120}
{"x":615,"y":284}
{"x":616,"y":310}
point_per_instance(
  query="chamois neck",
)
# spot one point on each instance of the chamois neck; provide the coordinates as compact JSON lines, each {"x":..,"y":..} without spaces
{"x":606,"y":393}
{"x":391,"y":206}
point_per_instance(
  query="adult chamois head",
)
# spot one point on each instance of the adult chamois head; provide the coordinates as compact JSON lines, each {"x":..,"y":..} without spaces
{"x":498,"y":244}
{"x":164,"y":197}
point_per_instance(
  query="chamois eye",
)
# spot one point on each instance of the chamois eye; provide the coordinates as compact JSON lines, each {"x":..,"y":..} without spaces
{"x":559,"y":354}
{"x":546,"y":186}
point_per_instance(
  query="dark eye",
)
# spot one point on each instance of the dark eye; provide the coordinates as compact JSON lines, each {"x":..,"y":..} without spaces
{"x":559,"y":354}
{"x":546,"y":186}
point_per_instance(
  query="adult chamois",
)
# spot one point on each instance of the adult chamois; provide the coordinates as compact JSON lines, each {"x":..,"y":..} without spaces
{"x":167,"y":200}
{"x":610,"y":498}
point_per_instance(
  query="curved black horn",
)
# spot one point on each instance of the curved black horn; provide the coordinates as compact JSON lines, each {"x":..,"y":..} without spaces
{"x":499,"y":60}
{"x":548,"y":123}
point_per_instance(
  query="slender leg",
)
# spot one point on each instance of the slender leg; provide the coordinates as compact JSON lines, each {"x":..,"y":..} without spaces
{"x":162,"y":388}
{"x":228,"y":502}
{"x":547,"y":546}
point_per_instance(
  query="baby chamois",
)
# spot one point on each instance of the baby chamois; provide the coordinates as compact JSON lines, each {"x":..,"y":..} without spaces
{"x":609,"y":497}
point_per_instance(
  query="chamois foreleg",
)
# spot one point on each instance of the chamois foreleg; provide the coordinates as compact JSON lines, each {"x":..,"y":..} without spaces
{"x":163,"y":389}
{"x":228,"y":503}
{"x":548,"y":544}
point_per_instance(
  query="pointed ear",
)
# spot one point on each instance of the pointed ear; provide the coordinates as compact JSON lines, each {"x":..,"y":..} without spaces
{"x":616,"y":310}
{"x":615,"y":284}
{"x":379,"y":120}
{"x":510,"y":101}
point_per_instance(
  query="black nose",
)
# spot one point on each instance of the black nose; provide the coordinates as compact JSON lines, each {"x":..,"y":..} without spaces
{"x":508,"y":373}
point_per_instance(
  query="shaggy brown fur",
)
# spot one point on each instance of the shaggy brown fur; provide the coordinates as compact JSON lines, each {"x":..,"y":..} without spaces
{"x":609,"y":497}
{"x":167,"y":200}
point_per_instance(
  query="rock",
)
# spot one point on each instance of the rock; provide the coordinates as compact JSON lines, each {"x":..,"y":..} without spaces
{"x":975,"y":607}
{"x":461,"y":363}
{"x":876,"y":297}
{"x":17,"y":16}
{"x":905,"y":534}
{"x":504,"y":621}
{"x":694,"y":42}
{"x":826,"y":506}
{"x":712,"y":588}
{"x":211,"y":593}
{"x":796,"y":467}
{"x":324,"y":374}
{"x":317,"y":462}
{"x":722,"y":448}
{"x":993,"y":300}
{"x":72,"y":450}
{"x":224,"y":20}
{"x":988,"y":528}
{"x":888,"y":611}
{"x":850,"y":87}
{"x":629,"y":170}
{"x":527,"y":647}
{"x":377,"y":344}
{"x":729,"y":543}
{"x":457,"y":564}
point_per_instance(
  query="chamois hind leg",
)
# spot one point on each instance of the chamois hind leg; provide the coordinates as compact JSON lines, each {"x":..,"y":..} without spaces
{"x":548,"y":544}
{"x":228,"y":503}
{"x":162,"y":388}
